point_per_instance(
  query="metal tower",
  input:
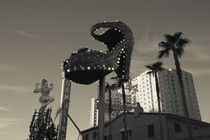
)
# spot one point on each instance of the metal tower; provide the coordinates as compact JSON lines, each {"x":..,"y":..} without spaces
{"x":64,"y":106}
{"x":42,"y":126}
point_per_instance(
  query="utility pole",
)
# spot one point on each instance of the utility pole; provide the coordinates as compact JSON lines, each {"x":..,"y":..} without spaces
{"x":101,"y":108}
{"x":64,"y":106}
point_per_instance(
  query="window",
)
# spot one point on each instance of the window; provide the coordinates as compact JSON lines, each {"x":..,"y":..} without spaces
{"x":130,"y":133}
{"x":151,"y":130}
{"x":177,"y":127}
{"x":122,"y":135}
{"x":94,"y":135}
{"x":86,"y":137}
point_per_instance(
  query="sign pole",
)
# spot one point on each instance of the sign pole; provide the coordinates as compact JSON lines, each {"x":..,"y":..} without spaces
{"x":101,"y":108}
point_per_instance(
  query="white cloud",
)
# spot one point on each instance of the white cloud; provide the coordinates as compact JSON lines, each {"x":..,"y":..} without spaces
{"x":4,"y":108}
{"x":195,"y":60}
{"x":198,"y":52}
{"x":9,"y":122}
{"x":14,"y":89}
{"x":21,"y":32}
{"x":146,"y":44}
{"x":145,"y":52}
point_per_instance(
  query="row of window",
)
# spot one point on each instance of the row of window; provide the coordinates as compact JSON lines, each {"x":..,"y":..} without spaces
{"x":150,"y":131}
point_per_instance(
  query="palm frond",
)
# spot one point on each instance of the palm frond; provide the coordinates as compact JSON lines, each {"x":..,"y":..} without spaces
{"x":157,"y":66}
{"x":169,"y":38}
{"x":164,"y":45}
{"x":182,"y":42}
{"x":161,"y":54}
{"x":164,"y":53}
{"x":177,"y":35}
{"x":150,"y":67}
{"x":180,"y":51}
{"x":160,"y":68}
{"x":150,"y":72}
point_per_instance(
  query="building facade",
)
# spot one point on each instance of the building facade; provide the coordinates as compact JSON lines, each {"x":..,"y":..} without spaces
{"x":143,"y":91}
{"x":170,"y":94}
{"x":94,"y":112}
{"x":145,"y":126}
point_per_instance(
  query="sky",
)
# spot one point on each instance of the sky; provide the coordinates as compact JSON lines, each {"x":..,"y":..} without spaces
{"x":37,"y":35}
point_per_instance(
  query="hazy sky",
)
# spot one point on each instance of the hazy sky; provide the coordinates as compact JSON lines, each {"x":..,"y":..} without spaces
{"x":37,"y":35}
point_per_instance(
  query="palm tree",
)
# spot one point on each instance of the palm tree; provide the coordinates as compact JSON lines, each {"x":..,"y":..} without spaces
{"x":121,"y":83}
{"x":109,"y":89}
{"x":154,"y":69}
{"x":176,"y":44}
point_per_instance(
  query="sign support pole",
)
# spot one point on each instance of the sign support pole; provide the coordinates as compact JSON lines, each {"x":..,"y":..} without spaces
{"x":101,"y":108}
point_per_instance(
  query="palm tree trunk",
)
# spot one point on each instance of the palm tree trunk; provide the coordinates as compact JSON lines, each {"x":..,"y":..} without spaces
{"x":186,"y":113}
{"x":159,"y":109}
{"x":110,"y":117}
{"x":124,"y":108}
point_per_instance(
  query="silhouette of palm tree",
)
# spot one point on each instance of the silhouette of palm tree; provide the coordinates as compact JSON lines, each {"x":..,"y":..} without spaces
{"x":109,"y":88}
{"x":154,"y":69}
{"x":176,"y":44}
